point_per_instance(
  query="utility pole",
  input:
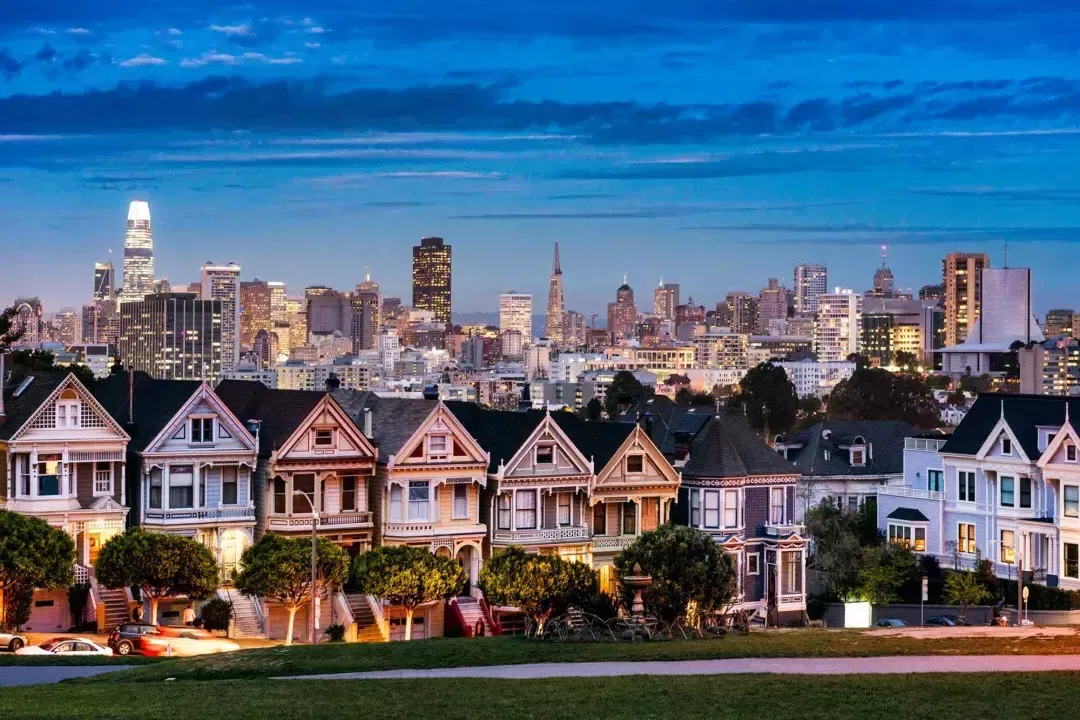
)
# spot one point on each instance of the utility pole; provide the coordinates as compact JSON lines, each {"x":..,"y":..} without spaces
{"x":314,"y":565}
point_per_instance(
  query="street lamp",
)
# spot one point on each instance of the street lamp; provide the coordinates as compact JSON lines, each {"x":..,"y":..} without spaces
{"x":314,"y":560}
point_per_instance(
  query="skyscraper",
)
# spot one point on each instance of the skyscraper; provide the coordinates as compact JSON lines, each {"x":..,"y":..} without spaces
{"x":1058,"y":322}
{"x":961,"y":276}
{"x":665,"y":300}
{"x":811,"y":282}
{"x":743,"y":312}
{"x":277,"y":301}
{"x":883,"y":279}
{"x":254,"y":310}
{"x":172,"y":336}
{"x":104,"y":281}
{"x":364,"y":319}
{"x":370,"y":286}
{"x":622,"y":314}
{"x":222,"y":282}
{"x":573,"y":328}
{"x":556,"y":306}
{"x":515,"y":313}
{"x":138,"y":253}
{"x":839,"y":325}
{"x":772,"y":305}
{"x":431,"y":277}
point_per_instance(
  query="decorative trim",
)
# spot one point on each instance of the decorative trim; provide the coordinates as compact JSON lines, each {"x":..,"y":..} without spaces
{"x":85,"y":396}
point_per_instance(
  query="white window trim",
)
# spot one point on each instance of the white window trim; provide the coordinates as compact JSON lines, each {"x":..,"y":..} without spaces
{"x":438,"y":453}
{"x":626,"y":464}
{"x":536,"y":455}
{"x":757,"y":564}
{"x":315,"y":434}
{"x":569,"y":510}
{"x":956,"y":481}
{"x":204,"y":441}
{"x":453,"y":501}
{"x":940,"y":470}
{"x":956,"y":537}
{"x":69,"y":405}
{"x":1069,"y":446}
{"x":1002,"y":546}
{"x":861,"y":450}
{"x":1063,"y":514}
{"x":912,"y":525}
{"x":1001,"y":443}
{"x":1061,"y":551}
{"x":112,"y":481}
{"x":1015,"y":491}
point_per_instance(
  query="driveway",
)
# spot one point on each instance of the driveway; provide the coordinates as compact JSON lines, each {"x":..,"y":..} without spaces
{"x":900,"y":665}
{"x":11,"y":676}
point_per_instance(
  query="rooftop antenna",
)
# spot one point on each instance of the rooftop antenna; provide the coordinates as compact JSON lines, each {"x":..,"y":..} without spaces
{"x":367,"y":273}
{"x":624,"y":279}
{"x":884,"y":250}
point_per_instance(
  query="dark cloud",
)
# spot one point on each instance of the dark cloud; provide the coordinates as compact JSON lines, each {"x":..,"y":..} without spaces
{"x":395,"y":203}
{"x":746,"y":165}
{"x":9,"y":66}
{"x":83,"y":59}
{"x":582,"y":196}
{"x":46,"y":54}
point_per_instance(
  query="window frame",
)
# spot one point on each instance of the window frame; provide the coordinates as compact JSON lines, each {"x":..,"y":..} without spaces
{"x":1066,"y":502}
{"x":1025,"y":492}
{"x":972,"y":486}
{"x":1065,"y":561}
{"x":753,"y":563}
{"x":200,"y":421}
{"x":775,"y":492}
{"x":1007,"y":558}
{"x":235,"y":482}
{"x":1070,"y":449}
{"x":1006,"y":446}
{"x":1002,"y":479}
{"x":938,"y":475}
{"x":419,"y":509}
{"x":72,"y":414}
{"x":522,"y":514}
{"x":731,"y":508}
{"x":398,"y":502}
{"x":966,"y":543}
{"x":638,"y":458}
{"x":190,"y":488}
{"x":354,"y":506}
{"x":317,"y":433}
{"x":430,"y":444}
{"x":500,"y":508}
{"x":860,"y":452}
{"x":600,"y":511}
{"x":695,"y":508}
{"x":455,"y":513}
{"x":559,"y":510}
{"x":547,"y":447}
{"x":629,"y":519}
{"x":715,"y":510}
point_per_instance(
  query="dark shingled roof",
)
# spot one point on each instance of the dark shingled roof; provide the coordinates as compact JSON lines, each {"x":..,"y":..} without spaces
{"x":281,"y":411}
{"x":1023,"y":413}
{"x":909,"y":514}
{"x":885,"y":436}
{"x":17,"y":410}
{"x":725,"y":446}
{"x":393,"y":420}
{"x":596,"y":440}
{"x":156,"y":403}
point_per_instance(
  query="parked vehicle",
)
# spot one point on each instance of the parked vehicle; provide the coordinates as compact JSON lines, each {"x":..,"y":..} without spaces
{"x":66,"y":647}
{"x":11,"y":641}
{"x":128,"y":638}
{"x":945,"y":621}
{"x":891,"y":623}
{"x":194,"y":641}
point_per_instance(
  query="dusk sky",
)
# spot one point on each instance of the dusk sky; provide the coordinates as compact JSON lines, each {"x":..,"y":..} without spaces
{"x":715,"y":143}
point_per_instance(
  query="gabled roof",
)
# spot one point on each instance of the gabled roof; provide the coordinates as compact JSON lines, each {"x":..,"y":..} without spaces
{"x":393,"y":420}
{"x":885,"y":458}
{"x":17,"y":410}
{"x":156,"y":403}
{"x":1024,"y":414}
{"x":280,"y":411}
{"x":727,"y":447}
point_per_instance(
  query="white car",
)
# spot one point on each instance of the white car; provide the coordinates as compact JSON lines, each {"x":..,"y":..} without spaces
{"x":11,"y":641}
{"x":65,"y":647}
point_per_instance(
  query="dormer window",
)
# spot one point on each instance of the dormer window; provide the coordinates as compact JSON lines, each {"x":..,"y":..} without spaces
{"x":437,"y":445}
{"x":1070,"y":453}
{"x":858,"y":456}
{"x":545,"y":455}
{"x":635,"y":464}
{"x":324,"y":437}
{"x":202,"y":430}
{"x":68,"y":408}
{"x":1006,"y":446}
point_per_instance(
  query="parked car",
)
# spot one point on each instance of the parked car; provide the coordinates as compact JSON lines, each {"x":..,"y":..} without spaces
{"x":66,"y":647}
{"x":185,"y":640}
{"x":11,"y":641}
{"x":945,"y":621}
{"x":128,"y":638}
{"x":891,"y":623}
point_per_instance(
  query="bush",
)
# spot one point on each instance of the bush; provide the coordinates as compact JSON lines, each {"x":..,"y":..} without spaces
{"x":336,"y":633}
{"x":1041,"y":597}
{"x":815,"y":606}
{"x":216,"y":614}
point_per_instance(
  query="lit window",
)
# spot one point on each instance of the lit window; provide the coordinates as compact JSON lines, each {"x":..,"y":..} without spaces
{"x":1008,"y":548}
{"x":965,"y":538}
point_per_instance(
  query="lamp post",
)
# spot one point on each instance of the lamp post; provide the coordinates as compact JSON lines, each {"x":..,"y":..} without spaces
{"x":314,"y":562}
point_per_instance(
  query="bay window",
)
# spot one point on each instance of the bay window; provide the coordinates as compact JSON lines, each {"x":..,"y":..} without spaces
{"x":504,"y":511}
{"x":563,"y":509}
{"x":181,"y":486}
{"x":712,"y":509}
{"x":629,"y":518}
{"x":280,"y":496}
{"x":154,"y":495}
{"x":50,"y":470}
{"x":419,"y":500}
{"x":396,"y":500}
{"x":776,"y":506}
{"x":461,"y":502}
{"x":230,"y":485}
{"x":525,"y":510}
{"x":912,"y":537}
{"x":348,"y":494}
{"x":731,"y":508}
{"x":1008,"y":491}
{"x":790,"y":572}
{"x":695,"y":508}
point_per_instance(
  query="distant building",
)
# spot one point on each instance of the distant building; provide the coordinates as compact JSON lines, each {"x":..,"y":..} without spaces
{"x":254,"y":310}
{"x":554,"y":326}
{"x":961,"y":277}
{"x":104,"y":281}
{"x":741,"y":312}
{"x":573,"y":328}
{"x":138,"y":253}
{"x":622,"y":314}
{"x":315,"y":377}
{"x":431,"y":270}
{"x":763,"y":348}
{"x":29,"y":321}
{"x":222,"y":282}
{"x":721,"y":348}
{"x":811,"y":282}
{"x":515,"y":313}
{"x":253,"y":374}
{"x":172,"y":336}
{"x":1058,"y":322}
{"x":665,"y":300}
{"x":815,"y":378}
{"x":772,"y":305}
{"x":839,"y":325}
{"x":1051,"y":368}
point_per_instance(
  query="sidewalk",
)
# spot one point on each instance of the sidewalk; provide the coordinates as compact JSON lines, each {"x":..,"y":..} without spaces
{"x":898,"y":665}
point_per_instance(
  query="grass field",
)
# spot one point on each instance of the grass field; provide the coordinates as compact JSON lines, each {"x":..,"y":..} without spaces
{"x":306,"y":660}
{"x":910,"y":697}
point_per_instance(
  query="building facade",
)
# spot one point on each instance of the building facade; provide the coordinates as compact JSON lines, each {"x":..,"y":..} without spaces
{"x":515,"y":313}
{"x":811,"y":282}
{"x":839,"y":325}
{"x":961,"y":277}
{"x":172,"y":336}
{"x":665,"y":300}
{"x":138,"y":253}
{"x":431,"y":270}
{"x":222,"y":282}
{"x":554,"y":325}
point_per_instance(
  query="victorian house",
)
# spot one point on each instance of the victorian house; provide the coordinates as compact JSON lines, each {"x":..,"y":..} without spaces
{"x":62,"y":459}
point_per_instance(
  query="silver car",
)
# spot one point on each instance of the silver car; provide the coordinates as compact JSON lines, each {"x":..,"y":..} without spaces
{"x":11,"y":641}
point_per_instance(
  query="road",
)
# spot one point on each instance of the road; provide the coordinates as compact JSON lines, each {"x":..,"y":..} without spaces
{"x":13,"y":675}
{"x":900,"y":665}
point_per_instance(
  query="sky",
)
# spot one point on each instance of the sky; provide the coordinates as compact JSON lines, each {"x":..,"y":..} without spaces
{"x":713,"y":143}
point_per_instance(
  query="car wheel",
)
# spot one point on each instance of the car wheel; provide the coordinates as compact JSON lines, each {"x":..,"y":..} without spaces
{"x":123,"y":648}
{"x":16,"y":644}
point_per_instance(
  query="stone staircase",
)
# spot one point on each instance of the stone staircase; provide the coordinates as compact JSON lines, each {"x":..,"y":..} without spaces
{"x":367,"y":629}
{"x":116,"y":607}
{"x":471,"y":612}
{"x":247,"y":622}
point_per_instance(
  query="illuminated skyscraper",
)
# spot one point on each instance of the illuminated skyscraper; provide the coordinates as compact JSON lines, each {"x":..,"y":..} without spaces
{"x":138,"y":253}
{"x":431,"y":277}
{"x":104,"y":281}
{"x":556,"y":306}
{"x":515,"y":313}
{"x":222,"y":282}
{"x":254,"y":311}
{"x":665,"y":300}
{"x":961,"y":276}
{"x":622,"y":314}
{"x":811,"y":282}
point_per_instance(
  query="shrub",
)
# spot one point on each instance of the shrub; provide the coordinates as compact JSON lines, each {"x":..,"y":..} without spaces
{"x":216,"y":614}
{"x":336,"y":633}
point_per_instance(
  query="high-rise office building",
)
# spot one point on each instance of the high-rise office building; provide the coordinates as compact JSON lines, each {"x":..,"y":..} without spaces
{"x":665,"y":300}
{"x":622,"y":314}
{"x":100,"y":322}
{"x":839,"y":325}
{"x":367,"y":285}
{"x":1058,"y":322}
{"x":104,"y":281}
{"x":431,"y":277}
{"x":573,"y":328}
{"x":742,"y":312}
{"x":772,"y":305}
{"x":138,"y":253}
{"x":172,"y":336}
{"x":515,"y":313}
{"x":556,"y":305}
{"x":363,"y":319}
{"x":328,"y":313}
{"x":222,"y":282}
{"x":811,"y":282}
{"x":254,"y":310}
{"x":277,"y":301}
{"x":961,"y":276}
{"x":883,"y":284}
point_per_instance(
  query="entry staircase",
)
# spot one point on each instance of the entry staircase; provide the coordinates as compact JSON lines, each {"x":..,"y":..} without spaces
{"x":367,"y":625}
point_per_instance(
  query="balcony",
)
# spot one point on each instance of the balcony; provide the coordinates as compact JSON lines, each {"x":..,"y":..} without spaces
{"x":612,"y":542}
{"x":429,"y":529}
{"x":199,"y":515}
{"x":909,"y":492}
{"x":542,"y":535}
{"x":782,"y":530}
{"x":293,"y":523}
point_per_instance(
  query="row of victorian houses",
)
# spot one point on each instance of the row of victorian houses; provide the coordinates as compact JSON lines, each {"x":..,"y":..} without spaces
{"x":225,"y":465}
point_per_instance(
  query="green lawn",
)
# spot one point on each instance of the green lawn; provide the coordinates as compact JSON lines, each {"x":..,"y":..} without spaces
{"x":1028,"y":696}
{"x":306,"y":660}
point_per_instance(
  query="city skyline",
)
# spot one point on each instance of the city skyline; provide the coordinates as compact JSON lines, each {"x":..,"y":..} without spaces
{"x":829,"y":132}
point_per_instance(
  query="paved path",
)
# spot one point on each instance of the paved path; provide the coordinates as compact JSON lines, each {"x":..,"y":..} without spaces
{"x":13,"y":675}
{"x":899,"y":665}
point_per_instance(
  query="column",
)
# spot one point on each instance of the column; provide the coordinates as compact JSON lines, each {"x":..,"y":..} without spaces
{"x":64,"y":481}
{"x":637,"y":516}
{"x":196,"y":483}
{"x":165,"y":487}
{"x":513,"y":510}
{"x":33,"y":473}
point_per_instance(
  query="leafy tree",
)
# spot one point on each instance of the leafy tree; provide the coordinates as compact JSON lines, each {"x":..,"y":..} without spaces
{"x":542,"y":586}
{"x":625,"y":389}
{"x":33,"y":554}
{"x":9,"y":335}
{"x":876,"y":394}
{"x":965,"y":589}
{"x":957,"y":399}
{"x":974,"y":383}
{"x":216,"y":614}
{"x":837,"y":547}
{"x":689,"y":397}
{"x":809,"y":405}
{"x":280,"y":568}
{"x":686,"y":566}
{"x":160,"y":565}
{"x":43,"y":360}
{"x":938,"y":382}
{"x":906,"y":360}
{"x":407,"y":576}
{"x":861,"y":361}
{"x":768,"y":398}
{"x":594,"y":410}
{"x":884,"y":571}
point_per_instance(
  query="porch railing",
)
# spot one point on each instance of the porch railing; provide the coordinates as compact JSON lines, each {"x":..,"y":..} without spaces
{"x":612,"y":542}
{"x":783,"y":529}
{"x":542,"y":535}
{"x":296,"y":522}
{"x":910,"y":492}
{"x":196,"y":514}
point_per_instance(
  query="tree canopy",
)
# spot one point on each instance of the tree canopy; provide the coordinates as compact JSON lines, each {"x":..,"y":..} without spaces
{"x":160,"y":565}
{"x":624,"y":390}
{"x":884,"y":570}
{"x":965,"y":589}
{"x":768,"y":397}
{"x":876,"y":394}
{"x":33,"y":554}
{"x":686,"y":566}
{"x":542,"y":586}
{"x":280,"y":568}
{"x":9,"y":334}
{"x":407,"y":576}
{"x":594,"y":410}
{"x":839,"y":537}
{"x":689,"y":397}
{"x":42,"y":360}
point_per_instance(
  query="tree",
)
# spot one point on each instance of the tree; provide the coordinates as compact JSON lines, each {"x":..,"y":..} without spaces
{"x":541,"y":586}
{"x":280,"y":568}
{"x":876,"y":394}
{"x":938,"y":382}
{"x":906,"y":360}
{"x":160,"y":565}
{"x":44,"y":360}
{"x":964,"y":589}
{"x":407,"y":576}
{"x":884,"y":571}
{"x":861,"y":361}
{"x":768,"y":398}
{"x":837,"y":547}
{"x":33,"y":554}
{"x":594,"y":410}
{"x":9,"y":334}
{"x":625,"y":389}
{"x":687,"y":396}
{"x":686,"y":566}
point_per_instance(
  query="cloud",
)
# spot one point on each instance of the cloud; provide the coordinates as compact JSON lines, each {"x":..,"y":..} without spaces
{"x":142,"y":60}
{"x":47,"y":54}
{"x":1019,"y":195}
{"x":250,"y":34}
{"x":395,"y":203}
{"x":9,"y":66}
{"x":79,"y":31}
{"x":648,"y":212}
{"x":219,"y":58}
{"x":583,"y":196}
{"x":83,"y":59}
{"x":865,"y":233}
{"x":244,"y":29}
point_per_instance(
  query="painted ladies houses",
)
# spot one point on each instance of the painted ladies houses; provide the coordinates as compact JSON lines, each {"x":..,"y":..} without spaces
{"x":62,"y":459}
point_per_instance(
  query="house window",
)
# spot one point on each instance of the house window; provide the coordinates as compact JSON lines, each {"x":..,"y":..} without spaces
{"x":635,"y":463}
{"x":731,"y":508}
{"x":461,"y":502}
{"x":103,"y":479}
{"x":50,"y":468}
{"x":1008,"y":547}
{"x":348,"y":493}
{"x":935,"y":480}
{"x":324,"y":438}
{"x":67,"y":414}
{"x":965,"y":486}
{"x":1072,"y":501}
{"x":1070,"y":453}
{"x":504,"y":511}
{"x":563,"y":514}
{"x":753,"y":564}
{"x":853,"y":503}
{"x":1008,"y":492}
{"x":599,"y":519}
{"x":858,"y":456}
{"x":181,"y":486}
{"x":303,"y":488}
{"x":436,"y":445}
{"x":1025,"y":492}
{"x":1006,"y":446}
{"x":396,"y":493}
{"x":1072,"y":560}
{"x":965,"y":538}
{"x":900,"y":535}
{"x":695,"y":508}
{"x":629,"y":518}
{"x":920,"y":539}
{"x":202,"y":431}
{"x":419,"y":499}
{"x":280,"y":497}
{"x":153,"y":497}
{"x":525,"y":510}
{"x":229,"y":486}
{"x":545,"y":455}
{"x":776,"y":506}
{"x":791,"y":573}
{"x":712,"y":509}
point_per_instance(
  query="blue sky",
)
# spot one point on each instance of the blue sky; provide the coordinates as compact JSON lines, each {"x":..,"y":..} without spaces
{"x":716,"y":143}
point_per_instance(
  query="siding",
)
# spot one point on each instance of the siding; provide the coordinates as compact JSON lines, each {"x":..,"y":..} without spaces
{"x":262,"y":470}
{"x":211,"y":477}
{"x":756,"y":509}
{"x":377,"y":503}
{"x":754,"y":585}
{"x":4,"y":459}
{"x":650,"y":507}
{"x":932,"y":509}
{"x":84,"y":483}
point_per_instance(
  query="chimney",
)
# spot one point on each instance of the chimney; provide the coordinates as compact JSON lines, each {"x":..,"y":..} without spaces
{"x":368,"y":433}
{"x":131,"y":395}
